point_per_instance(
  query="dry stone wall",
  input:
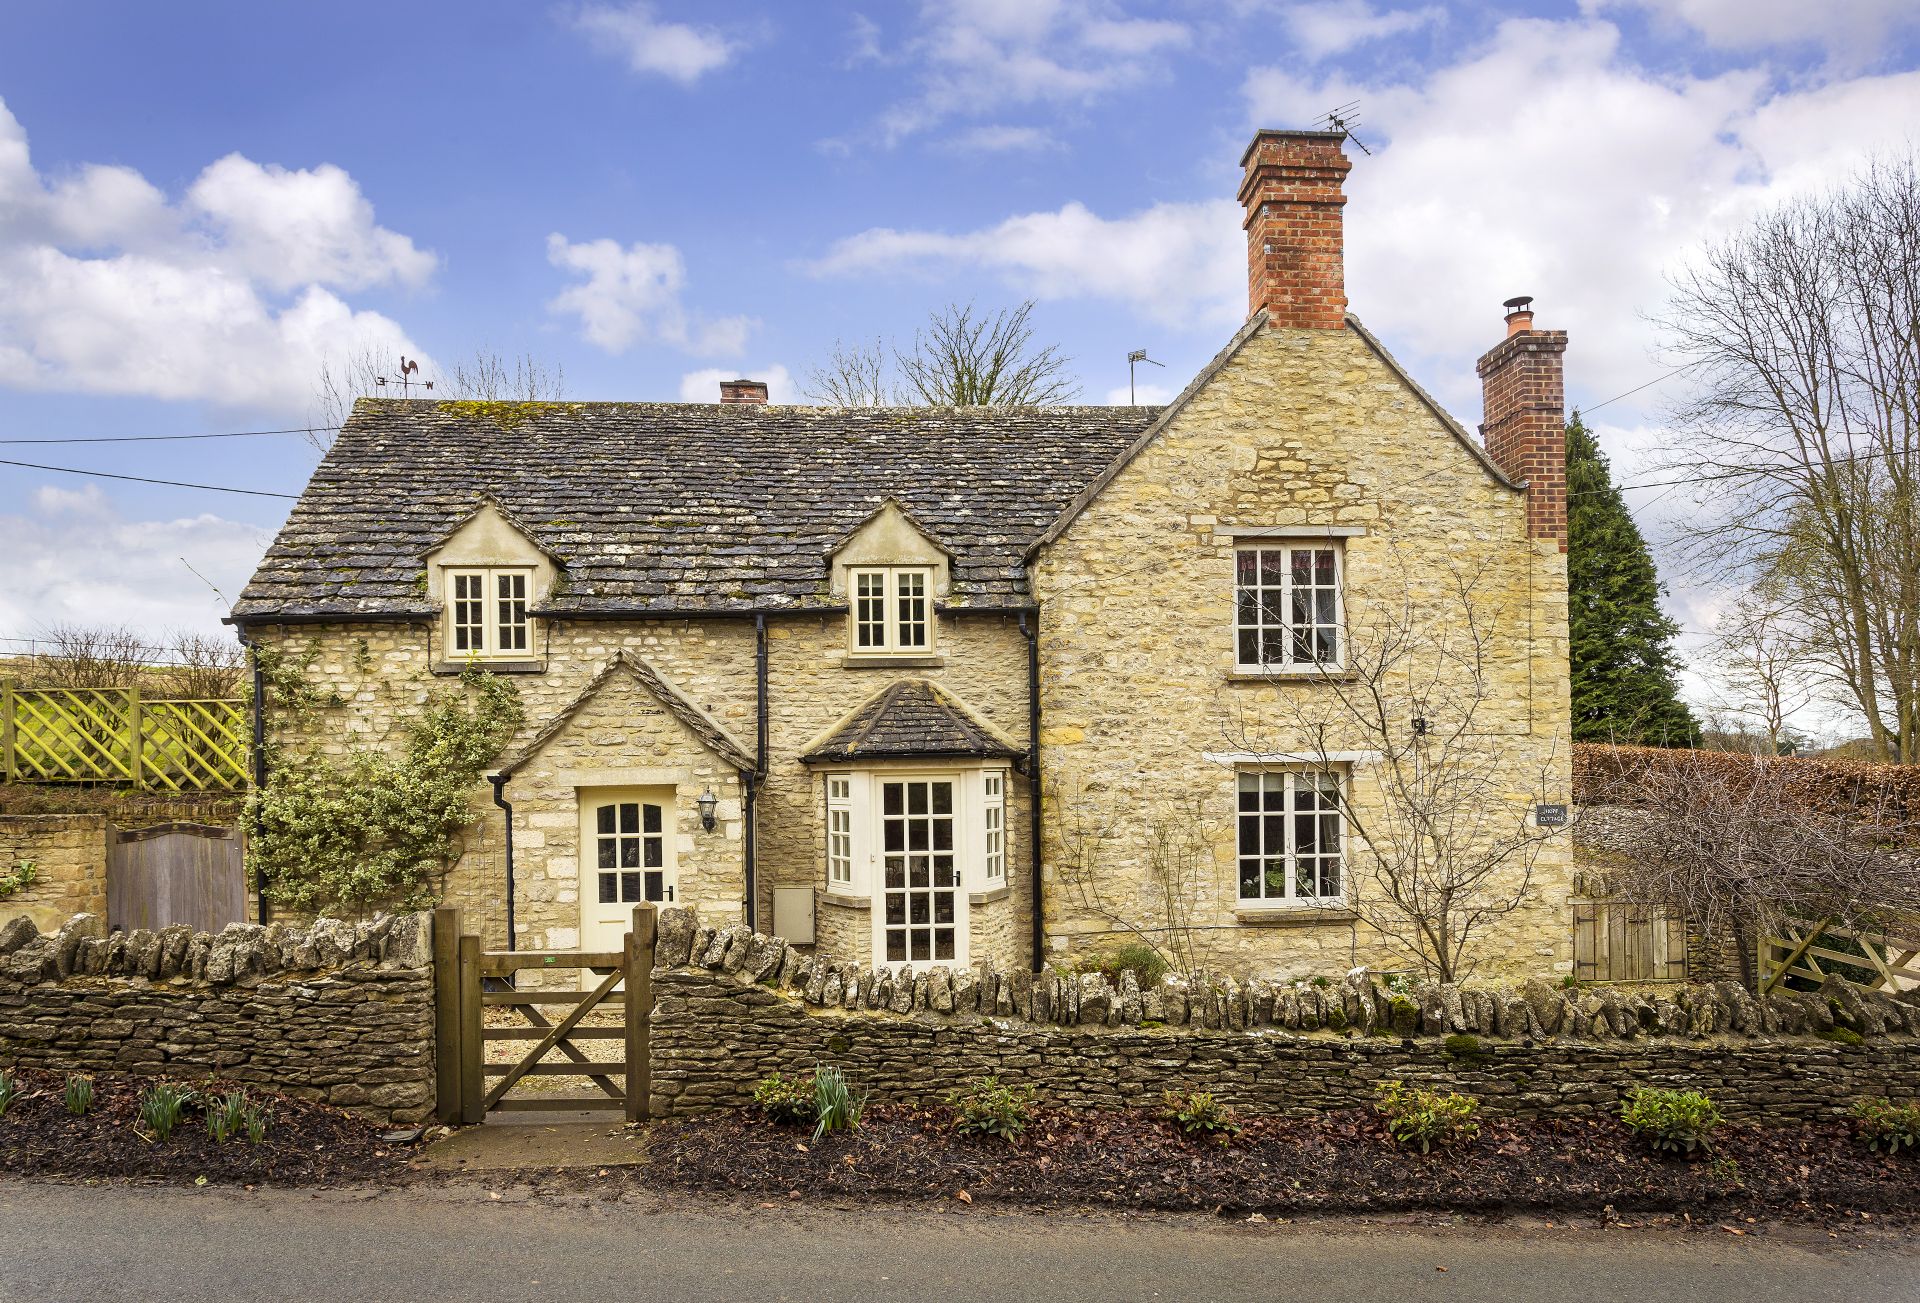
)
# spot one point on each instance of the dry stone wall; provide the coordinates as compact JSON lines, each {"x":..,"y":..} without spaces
{"x":69,"y":855}
{"x":336,"y":1012}
{"x":734,"y":1006}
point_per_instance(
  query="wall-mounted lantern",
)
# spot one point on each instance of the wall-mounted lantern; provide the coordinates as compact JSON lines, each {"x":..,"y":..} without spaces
{"x":709,"y":808}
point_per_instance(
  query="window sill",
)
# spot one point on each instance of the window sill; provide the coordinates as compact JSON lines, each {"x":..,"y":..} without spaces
{"x":889,"y":661}
{"x":452,"y":669}
{"x":989,"y":896}
{"x":1293,"y":915}
{"x":840,"y":900}
{"x":1242,"y":674}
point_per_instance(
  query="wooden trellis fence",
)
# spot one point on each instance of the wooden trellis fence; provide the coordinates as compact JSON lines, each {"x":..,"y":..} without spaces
{"x":1815,"y":951}
{"x":110,"y":735}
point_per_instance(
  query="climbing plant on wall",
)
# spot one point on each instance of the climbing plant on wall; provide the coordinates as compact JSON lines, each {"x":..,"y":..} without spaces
{"x":377,"y":828}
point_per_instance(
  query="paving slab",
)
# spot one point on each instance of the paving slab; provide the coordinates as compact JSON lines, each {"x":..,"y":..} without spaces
{"x":554,"y":1140}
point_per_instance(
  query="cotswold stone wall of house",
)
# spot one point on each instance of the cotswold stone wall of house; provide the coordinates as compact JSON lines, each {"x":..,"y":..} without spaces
{"x":734,"y":1006}
{"x":372,"y":678}
{"x":1300,"y":429}
{"x":334,"y":1012}
{"x":69,"y":855}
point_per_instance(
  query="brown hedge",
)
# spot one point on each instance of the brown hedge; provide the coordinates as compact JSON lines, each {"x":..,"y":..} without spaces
{"x":1619,"y":775}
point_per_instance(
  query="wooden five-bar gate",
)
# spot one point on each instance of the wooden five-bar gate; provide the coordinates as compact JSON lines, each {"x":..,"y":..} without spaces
{"x":470,"y":980}
{"x":1888,"y":961}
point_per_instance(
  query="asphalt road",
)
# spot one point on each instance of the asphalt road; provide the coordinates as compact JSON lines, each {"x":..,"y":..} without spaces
{"x":111,"y":1242}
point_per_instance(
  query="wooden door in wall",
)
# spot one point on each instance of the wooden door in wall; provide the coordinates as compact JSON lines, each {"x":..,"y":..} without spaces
{"x":922,"y":917}
{"x":626,"y":856}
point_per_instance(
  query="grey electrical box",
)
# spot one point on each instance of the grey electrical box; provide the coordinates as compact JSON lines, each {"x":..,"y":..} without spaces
{"x":793,"y":914}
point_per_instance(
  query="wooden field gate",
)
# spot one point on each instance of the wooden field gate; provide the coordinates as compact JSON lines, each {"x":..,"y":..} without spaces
{"x":469,"y":980}
{"x":175,"y":873}
{"x":1879,"y":961}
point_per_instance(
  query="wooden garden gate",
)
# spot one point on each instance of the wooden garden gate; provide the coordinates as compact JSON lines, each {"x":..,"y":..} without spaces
{"x":1621,"y":941}
{"x":469,"y":980}
{"x":175,"y":873}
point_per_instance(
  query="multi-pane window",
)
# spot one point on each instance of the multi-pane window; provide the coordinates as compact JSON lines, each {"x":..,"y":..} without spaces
{"x":487,"y":612}
{"x":839,"y":831}
{"x":921,"y":886}
{"x":995,"y":789}
{"x":630,"y":853}
{"x":891,"y":611}
{"x":1287,"y":606}
{"x":1290,"y":835}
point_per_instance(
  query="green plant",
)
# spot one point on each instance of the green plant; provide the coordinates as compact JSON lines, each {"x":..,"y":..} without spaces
{"x":21,"y":875}
{"x":1198,"y":1113}
{"x":227,"y":1115}
{"x":1323,"y":981}
{"x":1841,"y":1036}
{"x":835,"y":1106}
{"x":987,"y":1108}
{"x":78,"y":1095}
{"x":1887,"y":1126}
{"x":1672,"y":1121}
{"x":371,"y":829}
{"x":1570,"y":983}
{"x":255,"y":1119}
{"x":9,"y":1090}
{"x":1146,"y":964}
{"x":1426,"y":1119}
{"x":785,"y":1100}
{"x":160,"y":1108}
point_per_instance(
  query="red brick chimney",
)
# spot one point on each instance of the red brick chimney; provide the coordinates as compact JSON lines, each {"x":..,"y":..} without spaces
{"x":1525,"y":425}
{"x":1295,"y":253}
{"x":743,"y":391}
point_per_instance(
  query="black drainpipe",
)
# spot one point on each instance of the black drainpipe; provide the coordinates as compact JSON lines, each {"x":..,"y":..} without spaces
{"x":753,"y":780}
{"x":1031,"y":629}
{"x":259,"y":750}
{"x":499,"y":782}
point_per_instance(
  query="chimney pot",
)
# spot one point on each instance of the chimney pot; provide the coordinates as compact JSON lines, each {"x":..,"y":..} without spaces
{"x":1519,"y":314}
{"x":743,"y":392}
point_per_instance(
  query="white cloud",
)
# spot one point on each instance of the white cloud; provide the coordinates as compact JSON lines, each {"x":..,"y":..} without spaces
{"x":1001,"y":140}
{"x":632,"y":294}
{"x":227,"y":295}
{"x":676,"y":51}
{"x":1336,"y":26}
{"x":704,"y":386}
{"x":1849,"y":27}
{"x":72,"y":557}
{"x":1181,"y":264}
{"x":984,"y":56}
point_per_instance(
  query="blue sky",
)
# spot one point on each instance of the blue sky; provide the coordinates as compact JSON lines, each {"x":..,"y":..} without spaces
{"x":199,"y":203}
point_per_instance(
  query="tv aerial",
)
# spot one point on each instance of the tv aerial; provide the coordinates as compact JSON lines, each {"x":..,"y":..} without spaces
{"x":1344,"y":119}
{"x":1134,"y":358}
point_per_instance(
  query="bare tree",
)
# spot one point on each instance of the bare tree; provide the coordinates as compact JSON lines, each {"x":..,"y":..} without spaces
{"x":1156,"y":908}
{"x":960,"y":358}
{"x":487,"y":376}
{"x":1743,"y":846}
{"x":1762,"y":658}
{"x":203,"y":667}
{"x":1443,"y":826}
{"x":1803,"y":427}
{"x":855,"y":376}
{"x":89,"y":656}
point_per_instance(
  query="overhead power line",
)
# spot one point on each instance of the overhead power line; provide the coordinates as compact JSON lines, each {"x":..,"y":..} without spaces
{"x":163,"y":438}
{"x":142,"y":479}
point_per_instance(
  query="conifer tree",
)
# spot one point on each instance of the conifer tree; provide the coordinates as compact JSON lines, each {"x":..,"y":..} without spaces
{"x":1621,"y":643}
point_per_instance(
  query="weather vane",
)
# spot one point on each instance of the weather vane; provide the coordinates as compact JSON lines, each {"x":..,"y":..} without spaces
{"x":406,"y":381}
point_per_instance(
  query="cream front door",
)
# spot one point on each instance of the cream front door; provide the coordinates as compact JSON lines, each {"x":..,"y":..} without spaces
{"x":923,"y":912}
{"x":626,"y":856}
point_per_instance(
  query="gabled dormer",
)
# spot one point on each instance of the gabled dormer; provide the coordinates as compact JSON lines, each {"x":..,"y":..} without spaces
{"x":487,"y":575}
{"x":891,"y":572}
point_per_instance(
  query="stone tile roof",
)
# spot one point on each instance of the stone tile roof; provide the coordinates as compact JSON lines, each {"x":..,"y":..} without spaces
{"x":676,"y":507}
{"x":910,"y":717}
{"x":698,"y":722}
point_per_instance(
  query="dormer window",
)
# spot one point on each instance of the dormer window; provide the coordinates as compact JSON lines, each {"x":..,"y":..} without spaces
{"x":891,"y":610}
{"x":487,"y":611}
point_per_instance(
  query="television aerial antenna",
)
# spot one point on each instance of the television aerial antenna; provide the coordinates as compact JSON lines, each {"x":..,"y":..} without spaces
{"x":1344,"y":119}
{"x":1137,"y":356}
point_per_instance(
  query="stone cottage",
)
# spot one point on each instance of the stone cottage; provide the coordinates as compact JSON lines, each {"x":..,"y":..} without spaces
{"x":943,"y":685}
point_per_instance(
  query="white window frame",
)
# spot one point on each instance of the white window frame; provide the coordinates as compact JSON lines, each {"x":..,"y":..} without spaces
{"x":1288,"y":663}
{"x":993,"y":825}
{"x":897,"y":586}
{"x":1291,"y":782}
{"x":840,"y":839}
{"x":493,"y":626}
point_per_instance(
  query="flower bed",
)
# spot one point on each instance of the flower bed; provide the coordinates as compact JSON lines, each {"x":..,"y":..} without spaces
{"x":1341,"y":1162}
{"x":302,"y":1142}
